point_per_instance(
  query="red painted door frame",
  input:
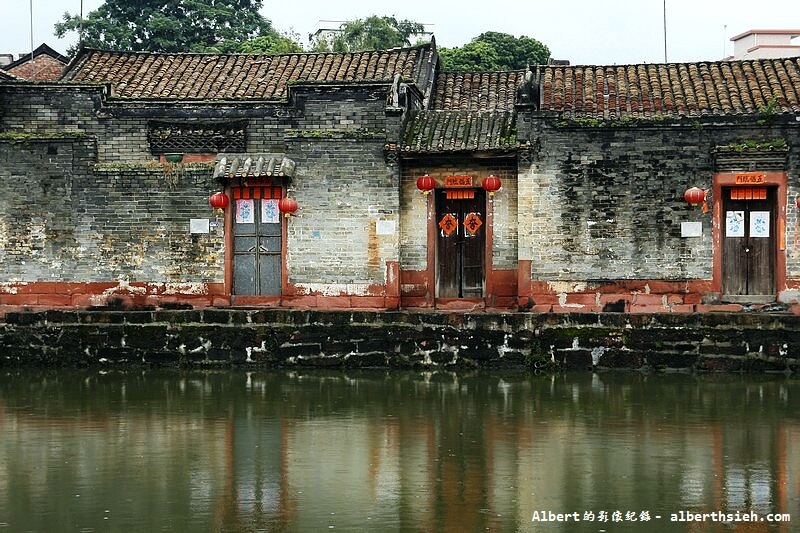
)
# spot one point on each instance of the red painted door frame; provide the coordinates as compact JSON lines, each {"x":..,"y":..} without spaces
{"x":734,"y":179}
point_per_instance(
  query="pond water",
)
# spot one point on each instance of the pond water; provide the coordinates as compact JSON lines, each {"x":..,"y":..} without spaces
{"x":397,"y":451}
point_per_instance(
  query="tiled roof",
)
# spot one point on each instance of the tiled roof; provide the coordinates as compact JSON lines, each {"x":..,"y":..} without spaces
{"x":469,"y":111}
{"x":147,"y":75}
{"x":460,"y":130}
{"x":474,"y":111}
{"x":7,"y":76}
{"x":673,"y":89}
{"x":43,"y":64}
{"x":476,"y":90}
{"x":253,"y":166}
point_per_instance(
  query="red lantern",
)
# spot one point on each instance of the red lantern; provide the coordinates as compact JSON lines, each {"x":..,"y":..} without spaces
{"x":426,"y":184}
{"x":694,"y":196}
{"x":287,"y":206}
{"x":491,"y":184}
{"x":219,"y":200}
{"x":797,"y":202}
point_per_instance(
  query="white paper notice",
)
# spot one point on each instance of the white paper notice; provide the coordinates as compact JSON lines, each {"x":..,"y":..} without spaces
{"x":244,"y":212}
{"x":691,"y":229}
{"x":270,"y":214}
{"x":734,"y":224}
{"x":759,"y":223}
{"x":198,"y":225}
{"x":385,"y":227}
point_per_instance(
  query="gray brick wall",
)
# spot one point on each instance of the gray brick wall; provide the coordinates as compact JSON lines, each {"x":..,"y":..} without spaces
{"x":62,"y":219}
{"x":601,"y":203}
{"x":413,"y":208}
{"x":345,"y":191}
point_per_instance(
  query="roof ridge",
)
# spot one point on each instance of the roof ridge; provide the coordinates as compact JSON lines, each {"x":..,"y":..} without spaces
{"x":85,"y":50}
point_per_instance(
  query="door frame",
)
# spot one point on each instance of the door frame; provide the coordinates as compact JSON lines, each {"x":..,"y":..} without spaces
{"x":488,"y":271}
{"x":228,"y":217}
{"x":777,"y":179}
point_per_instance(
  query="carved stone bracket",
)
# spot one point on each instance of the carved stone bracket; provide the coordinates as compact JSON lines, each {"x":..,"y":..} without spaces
{"x":527,"y":153}
{"x":391,"y":154}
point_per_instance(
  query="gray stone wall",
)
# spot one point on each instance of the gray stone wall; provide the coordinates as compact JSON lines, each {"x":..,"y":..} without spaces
{"x":347,"y":226}
{"x":754,"y":342}
{"x":102,"y":209}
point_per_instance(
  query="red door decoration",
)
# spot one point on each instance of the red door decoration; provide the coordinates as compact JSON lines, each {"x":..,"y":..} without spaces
{"x":473,"y":223}
{"x":448,"y":223}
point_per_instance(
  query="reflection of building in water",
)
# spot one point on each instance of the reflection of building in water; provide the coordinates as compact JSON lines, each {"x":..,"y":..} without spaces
{"x":448,"y":454}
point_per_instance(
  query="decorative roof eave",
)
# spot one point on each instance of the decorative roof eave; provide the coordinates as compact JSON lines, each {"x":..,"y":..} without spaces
{"x":490,"y":153}
{"x":455,"y":131}
{"x":243,"y":166}
{"x":8,"y":76}
{"x":565,"y":119}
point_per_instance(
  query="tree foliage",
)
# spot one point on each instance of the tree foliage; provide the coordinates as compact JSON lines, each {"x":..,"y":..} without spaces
{"x":371,"y":33}
{"x":271,"y":44}
{"x":495,"y":51}
{"x":171,"y":25}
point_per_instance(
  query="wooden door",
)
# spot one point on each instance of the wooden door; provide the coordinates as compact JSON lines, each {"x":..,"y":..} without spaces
{"x":257,"y":245}
{"x":460,"y":243}
{"x":749,"y":242}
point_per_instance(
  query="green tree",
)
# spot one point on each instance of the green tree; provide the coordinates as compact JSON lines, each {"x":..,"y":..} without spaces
{"x":170,"y":25}
{"x":495,"y":51}
{"x":271,"y":44}
{"x":371,"y":33}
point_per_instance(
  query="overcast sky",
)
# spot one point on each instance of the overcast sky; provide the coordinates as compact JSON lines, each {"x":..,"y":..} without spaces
{"x":581,"y":31}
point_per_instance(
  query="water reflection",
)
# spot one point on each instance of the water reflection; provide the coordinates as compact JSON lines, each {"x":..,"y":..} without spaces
{"x":378,"y":451}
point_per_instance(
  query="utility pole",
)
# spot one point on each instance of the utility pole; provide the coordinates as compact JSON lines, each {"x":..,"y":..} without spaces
{"x":80,"y":28}
{"x":665,"y":31}
{"x":33,"y":65}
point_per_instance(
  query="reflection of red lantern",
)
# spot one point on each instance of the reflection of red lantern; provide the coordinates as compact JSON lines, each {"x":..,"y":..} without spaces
{"x":694,"y":196}
{"x":491,"y":184}
{"x":287,"y":206}
{"x":219,"y":200}
{"x":426,"y":184}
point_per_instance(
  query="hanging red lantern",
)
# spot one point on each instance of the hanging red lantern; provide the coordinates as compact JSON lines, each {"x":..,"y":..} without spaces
{"x":219,"y":200}
{"x":426,"y":184}
{"x":287,"y":206}
{"x":491,"y":184}
{"x":694,"y":196}
{"x":797,"y":202}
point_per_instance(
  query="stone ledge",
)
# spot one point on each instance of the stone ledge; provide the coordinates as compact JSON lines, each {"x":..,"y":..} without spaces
{"x":401,"y":339}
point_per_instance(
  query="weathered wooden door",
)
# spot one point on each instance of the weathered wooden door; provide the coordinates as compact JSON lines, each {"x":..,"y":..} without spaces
{"x":460,"y":243}
{"x":257,"y":254}
{"x":749,"y":242}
